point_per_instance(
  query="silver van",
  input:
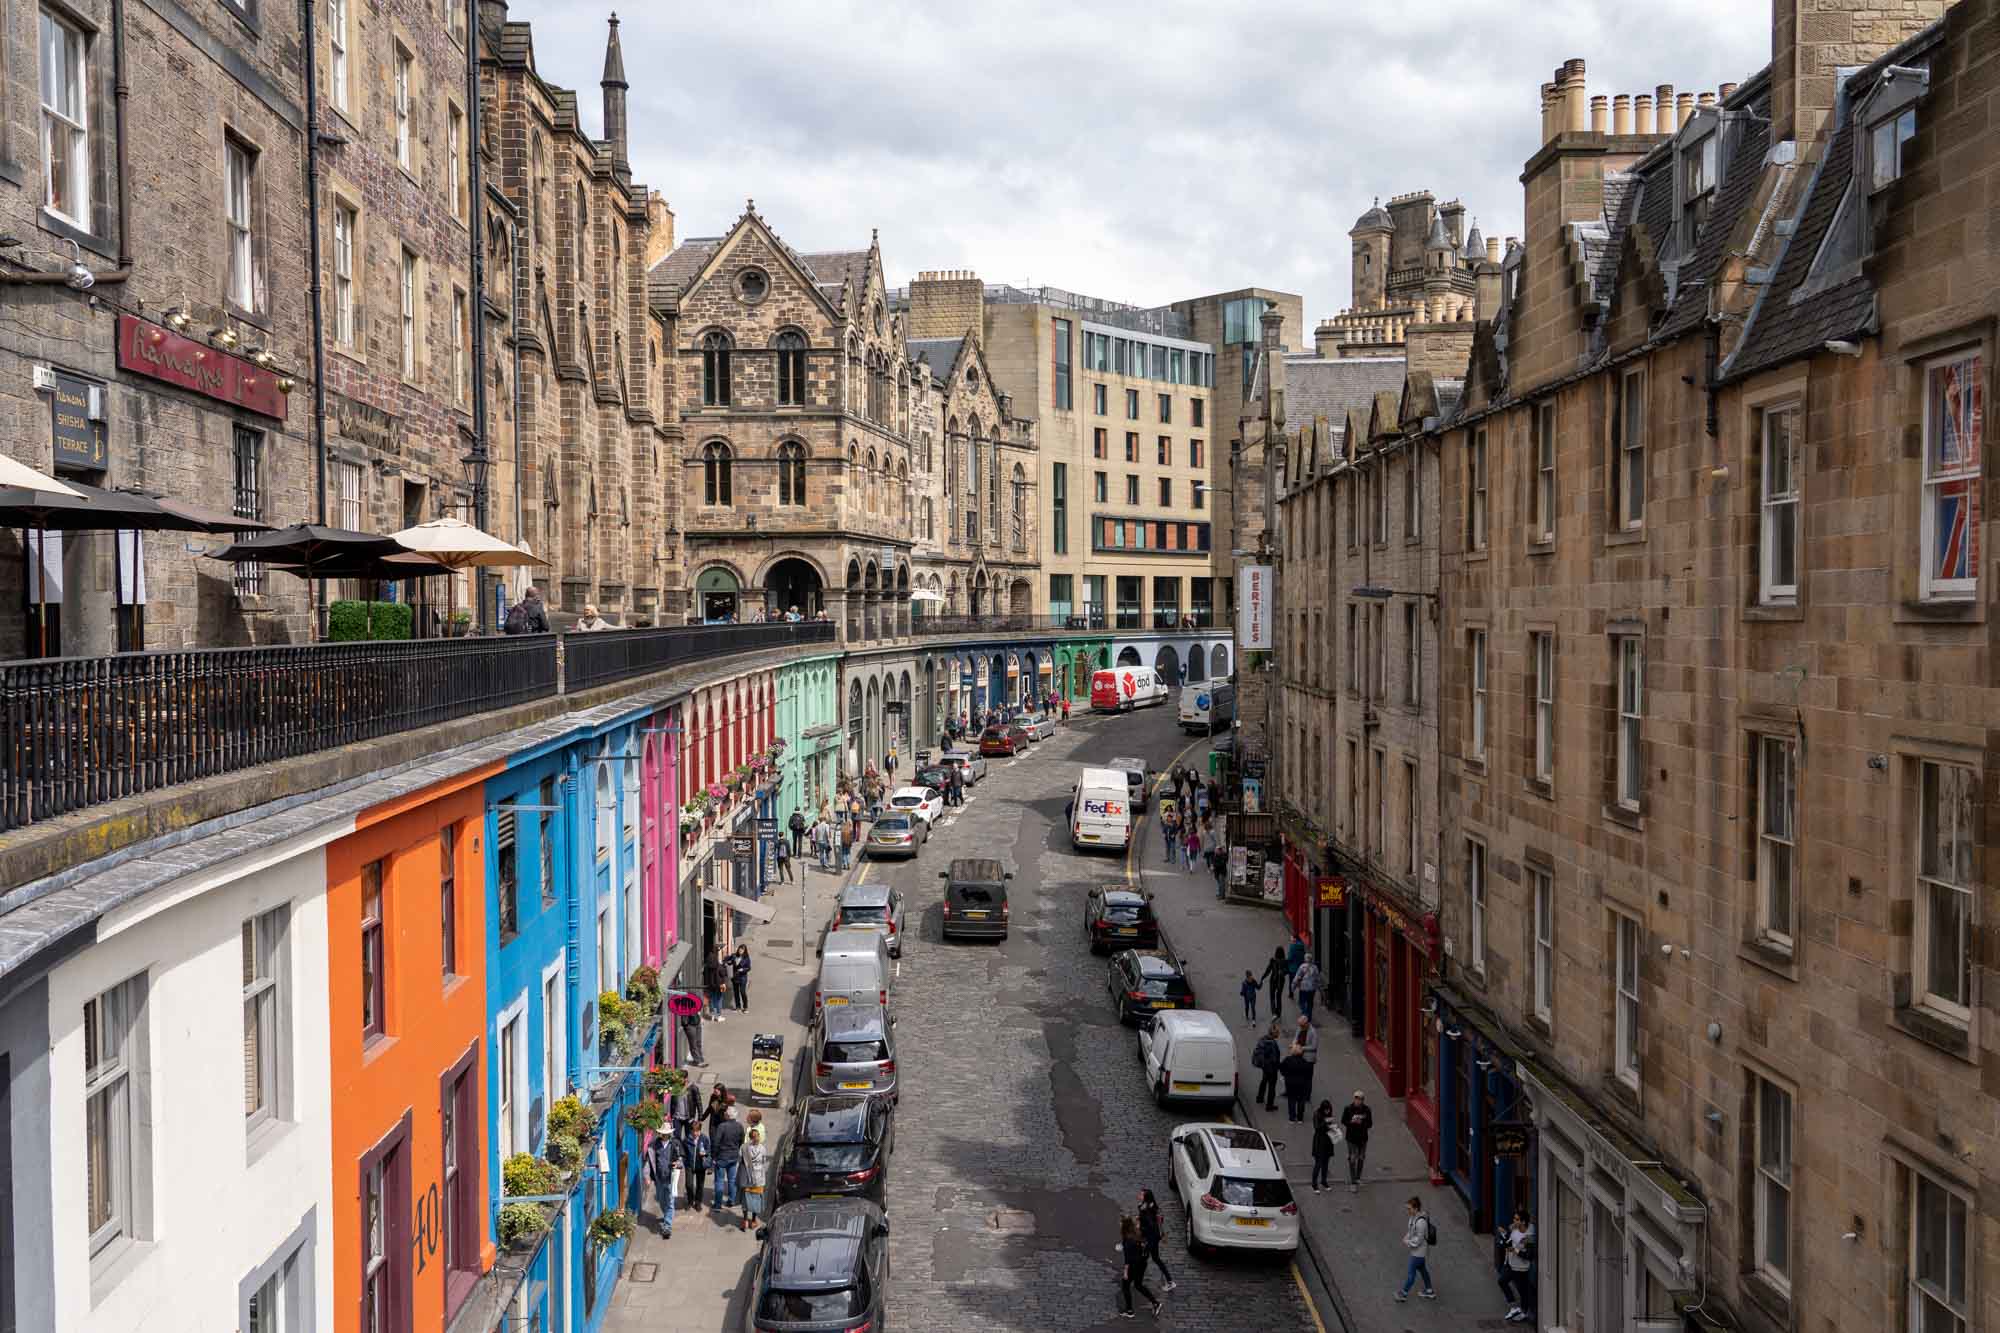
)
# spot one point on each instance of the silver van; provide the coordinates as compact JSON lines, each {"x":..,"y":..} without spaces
{"x":854,"y":1050}
{"x":854,"y":970}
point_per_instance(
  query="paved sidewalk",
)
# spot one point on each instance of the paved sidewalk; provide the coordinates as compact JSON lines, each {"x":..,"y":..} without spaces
{"x":699,"y":1280}
{"x":1357,"y":1238}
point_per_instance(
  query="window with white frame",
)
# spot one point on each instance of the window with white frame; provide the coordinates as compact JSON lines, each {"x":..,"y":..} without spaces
{"x":1542,"y":665}
{"x":1542,"y":503}
{"x":345,"y":221}
{"x":1631,"y":718}
{"x":65,"y":59}
{"x":1945,"y":854}
{"x":1476,"y":671}
{"x":115,"y":1123}
{"x":607,"y":962}
{"x":401,"y":106}
{"x":454,"y":157}
{"x":1413,"y":647}
{"x":1777,"y":822}
{"x":1628,"y":496}
{"x":461,"y":325}
{"x":513,"y":1096}
{"x":1773,"y":1201}
{"x":278,"y":1304}
{"x":336,"y":33}
{"x":378,"y":1274}
{"x":1627,"y":982}
{"x":1544,"y":890}
{"x":1954,"y":433}
{"x":239,"y":183}
{"x":1475,"y":500}
{"x":555,"y":1081}
{"x":264,"y":1059}
{"x":1475,"y":894}
{"x":349,"y":477}
{"x":407,"y":310}
{"x":1940,"y":1235}
{"x":1778,"y":508}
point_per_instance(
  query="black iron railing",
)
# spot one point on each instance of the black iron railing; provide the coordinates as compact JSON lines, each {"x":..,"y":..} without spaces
{"x":79,"y":731}
{"x":614,"y":655}
{"x":927,"y":626}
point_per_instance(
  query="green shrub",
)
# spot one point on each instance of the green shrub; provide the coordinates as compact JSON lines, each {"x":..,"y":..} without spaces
{"x":564,"y":1150}
{"x":570,"y":1116}
{"x":521,"y":1221}
{"x":524,"y":1173}
{"x":347,"y":620}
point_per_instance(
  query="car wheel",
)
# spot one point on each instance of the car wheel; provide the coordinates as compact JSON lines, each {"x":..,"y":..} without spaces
{"x":1160,"y":1093}
{"x":1193,"y":1245}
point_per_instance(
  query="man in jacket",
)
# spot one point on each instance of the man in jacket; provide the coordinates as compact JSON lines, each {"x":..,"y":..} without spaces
{"x":1306,"y":1038}
{"x":663,"y":1157}
{"x":1297,"y":1071}
{"x":690,"y":1025}
{"x":797,"y":824}
{"x":1417,"y":1240}
{"x":784,"y":859}
{"x":1264,"y":1058}
{"x":528,"y":616}
{"x":1305,"y":985}
{"x":1356,"y":1119}
{"x":728,"y":1156}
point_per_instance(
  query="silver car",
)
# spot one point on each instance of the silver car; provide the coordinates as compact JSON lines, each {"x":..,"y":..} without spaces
{"x":1041,"y":728}
{"x":896,"y":834}
{"x":854,"y":1050}
{"x":970,"y":766}
{"x":1138,"y":780}
{"x":874,"y":907}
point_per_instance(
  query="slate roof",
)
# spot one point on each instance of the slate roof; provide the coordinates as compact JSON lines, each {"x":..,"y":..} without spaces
{"x":671,"y":276}
{"x":1327,"y":387}
{"x":835,"y":267}
{"x":1621,"y":202}
{"x":1449,"y":392}
{"x":1740,"y":178}
{"x":943,"y":353}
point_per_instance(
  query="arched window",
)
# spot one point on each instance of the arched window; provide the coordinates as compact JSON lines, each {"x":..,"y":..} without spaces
{"x":903,"y":487}
{"x":870,"y":488}
{"x":541,"y":183}
{"x":715,"y":468}
{"x":791,"y":369}
{"x":580,"y":243}
{"x":715,"y":369}
{"x":791,"y":473}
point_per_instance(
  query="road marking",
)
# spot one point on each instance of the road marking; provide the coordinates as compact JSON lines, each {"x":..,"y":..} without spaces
{"x":1297,"y":1277}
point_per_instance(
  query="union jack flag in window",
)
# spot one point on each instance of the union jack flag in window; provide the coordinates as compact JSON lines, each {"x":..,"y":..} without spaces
{"x":1954,"y":428}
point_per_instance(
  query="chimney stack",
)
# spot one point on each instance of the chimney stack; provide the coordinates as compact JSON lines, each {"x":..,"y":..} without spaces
{"x":1705,"y":102}
{"x":1600,"y":114}
{"x":1642,"y":113}
{"x":1548,"y":112}
{"x":1621,"y":114}
{"x":1725,"y":92}
{"x":1575,"y":101}
{"x":1683,"y":109}
{"x":1492,"y":249}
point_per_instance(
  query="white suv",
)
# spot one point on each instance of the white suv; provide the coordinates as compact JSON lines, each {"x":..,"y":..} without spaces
{"x":1232,"y":1187}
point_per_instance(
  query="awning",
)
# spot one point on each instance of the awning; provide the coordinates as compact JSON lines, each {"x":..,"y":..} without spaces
{"x":748,"y":906}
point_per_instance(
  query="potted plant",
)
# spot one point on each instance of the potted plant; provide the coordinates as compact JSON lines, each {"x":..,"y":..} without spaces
{"x":564,"y":1150}
{"x":520,"y":1224}
{"x":642,"y":988}
{"x":610,"y":1227}
{"x":525,"y":1174}
{"x":646,"y":1116}
{"x":665,"y":1081}
{"x":568,"y":1115}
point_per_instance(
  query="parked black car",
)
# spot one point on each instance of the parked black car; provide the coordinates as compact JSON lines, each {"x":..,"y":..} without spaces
{"x":1144,"y":981}
{"x":975,"y":899}
{"x":823,"y":1266}
{"x":839,"y":1147}
{"x":1114,"y":915}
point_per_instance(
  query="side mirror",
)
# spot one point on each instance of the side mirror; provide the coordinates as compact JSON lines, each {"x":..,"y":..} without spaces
{"x":763,"y":1234}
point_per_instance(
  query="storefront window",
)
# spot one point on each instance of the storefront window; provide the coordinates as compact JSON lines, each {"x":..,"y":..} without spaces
{"x":1381,"y":1006}
{"x":1462,"y":1076}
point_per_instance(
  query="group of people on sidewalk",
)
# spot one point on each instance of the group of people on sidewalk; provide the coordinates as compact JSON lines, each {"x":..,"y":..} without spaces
{"x":699,"y":1139}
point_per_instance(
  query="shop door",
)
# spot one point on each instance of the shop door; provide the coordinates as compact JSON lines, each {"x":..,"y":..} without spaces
{"x":1608,"y":1245}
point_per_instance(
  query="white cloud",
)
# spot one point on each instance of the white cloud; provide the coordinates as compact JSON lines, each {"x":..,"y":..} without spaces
{"x":1142,"y":153}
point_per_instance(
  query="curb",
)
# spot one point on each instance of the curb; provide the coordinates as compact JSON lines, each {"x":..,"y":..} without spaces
{"x":1309,"y":1245}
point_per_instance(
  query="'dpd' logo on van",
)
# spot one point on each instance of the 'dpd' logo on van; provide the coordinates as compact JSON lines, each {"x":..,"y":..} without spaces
{"x":1126,"y":681}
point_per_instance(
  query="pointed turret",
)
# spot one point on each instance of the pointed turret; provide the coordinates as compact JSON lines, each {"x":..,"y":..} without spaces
{"x":614,"y":86}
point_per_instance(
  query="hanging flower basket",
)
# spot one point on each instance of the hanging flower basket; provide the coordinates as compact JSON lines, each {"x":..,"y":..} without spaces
{"x":716,"y":791}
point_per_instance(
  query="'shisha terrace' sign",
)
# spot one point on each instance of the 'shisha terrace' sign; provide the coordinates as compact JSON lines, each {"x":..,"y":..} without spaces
{"x":149,"y":349}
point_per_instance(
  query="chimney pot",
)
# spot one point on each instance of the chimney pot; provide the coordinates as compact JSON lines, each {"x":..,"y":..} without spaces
{"x":1492,"y":249}
{"x":1683,"y":108}
{"x":1642,"y":113}
{"x":1548,"y":113}
{"x":1621,"y":113}
{"x":1725,"y":92}
{"x":1663,"y":109}
{"x":1705,"y":101}
{"x":1600,"y":114}
{"x":1576,"y":109}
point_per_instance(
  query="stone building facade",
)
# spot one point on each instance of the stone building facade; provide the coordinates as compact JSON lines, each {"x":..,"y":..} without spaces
{"x":181,"y":197}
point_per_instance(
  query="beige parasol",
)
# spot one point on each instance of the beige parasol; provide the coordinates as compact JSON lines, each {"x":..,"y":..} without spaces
{"x":457,"y":545}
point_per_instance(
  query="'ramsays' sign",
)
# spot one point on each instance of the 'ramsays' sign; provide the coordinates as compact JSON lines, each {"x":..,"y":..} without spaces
{"x":149,"y":349}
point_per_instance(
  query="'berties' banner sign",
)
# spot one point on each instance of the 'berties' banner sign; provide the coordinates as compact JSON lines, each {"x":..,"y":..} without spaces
{"x":149,"y":349}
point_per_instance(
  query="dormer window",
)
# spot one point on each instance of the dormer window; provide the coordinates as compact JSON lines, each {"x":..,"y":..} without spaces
{"x":1698,"y":174}
{"x":1886,"y":138}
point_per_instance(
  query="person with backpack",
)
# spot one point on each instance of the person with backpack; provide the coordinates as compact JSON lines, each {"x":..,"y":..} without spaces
{"x":527,"y":616}
{"x":1419,"y":1234}
{"x":663,"y":1165}
{"x":1517,"y":1269}
{"x":797,"y":824}
{"x":783,"y":855}
{"x":1305,"y":985}
{"x":1264,"y":1058}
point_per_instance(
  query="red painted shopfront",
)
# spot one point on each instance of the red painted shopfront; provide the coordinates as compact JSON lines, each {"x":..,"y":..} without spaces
{"x":1399,"y":957}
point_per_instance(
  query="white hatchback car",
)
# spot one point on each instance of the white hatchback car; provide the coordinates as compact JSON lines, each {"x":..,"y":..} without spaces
{"x":923,"y":802}
{"x":1232,"y":1187}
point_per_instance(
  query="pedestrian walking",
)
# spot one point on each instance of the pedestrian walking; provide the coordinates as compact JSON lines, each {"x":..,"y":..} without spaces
{"x":797,"y":824}
{"x":1295,"y":954}
{"x":823,"y":840}
{"x":1251,"y":990}
{"x":1132,"y":1273}
{"x":1218,"y":865}
{"x":739,"y":975}
{"x":1356,"y":1119}
{"x":1275,"y":978}
{"x":715,"y":979}
{"x":663,"y":1161}
{"x":1265,"y":1057}
{"x":1065,"y":710}
{"x":848,"y":832}
{"x":756,"y":1169}
{"x":1193,"y":841}
{"x":1306,"y":1037}
{"x":1324,"y":1129}
{"x":1297,"y":1073}
{"x":729,"y":1136}
{"x":527,"y":616}
{"x":690,"y":1028}
{"x":784,"y":858}
{"x":1517,"y":1269}
{"x":696,"y":1159}
{"x":1149,"y":1232}
{"x":1169,"y":827}
{"x":1418,"y":1237}
{"x":1305,"y":985}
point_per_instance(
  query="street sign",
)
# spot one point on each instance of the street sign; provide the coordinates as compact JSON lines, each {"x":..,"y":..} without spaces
{"x":683,"y":1004}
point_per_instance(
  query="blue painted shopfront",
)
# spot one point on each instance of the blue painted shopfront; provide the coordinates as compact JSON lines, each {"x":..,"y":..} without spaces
{"x":1486,"y":1140}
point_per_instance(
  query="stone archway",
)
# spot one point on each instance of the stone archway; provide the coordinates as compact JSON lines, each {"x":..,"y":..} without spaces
{"x":793,"y":582}
{"x":1129,"y":656}
{"x":872,"y":728}
{"x":1196,"y":668}
{"x":1020,"y":598}
{"x":718,"y":595}
{"x":1167,"y":662}
{"x":996,"y":689}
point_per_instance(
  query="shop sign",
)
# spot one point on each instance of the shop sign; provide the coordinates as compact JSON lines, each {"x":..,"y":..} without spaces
{"x":1332,"y":890}
{"x":1510,"y":1139}
{"x":1253,"y":608}
{"x":1274,"y":882}
{"x":82,"y":440}
{"x":148,"y":349}
{"x":742,"y":845}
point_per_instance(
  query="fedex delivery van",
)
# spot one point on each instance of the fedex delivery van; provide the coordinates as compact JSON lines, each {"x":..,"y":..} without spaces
{"x":1120,"y":689}
{"x":1100,"y":810}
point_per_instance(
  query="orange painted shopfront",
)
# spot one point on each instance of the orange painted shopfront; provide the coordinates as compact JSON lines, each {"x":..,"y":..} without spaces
{"x":406,"y":928}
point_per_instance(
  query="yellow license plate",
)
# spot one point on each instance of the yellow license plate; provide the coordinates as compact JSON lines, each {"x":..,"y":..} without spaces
{"x":1187,"y":1087}
{"x":1128,"y":930}
{"x":1253,"y":1221}
{"x":1089,"y":837}
{"x":847,"y":1086}
{"x":836,"y":999}
{"x":1163,"y":1004}
{"x":975,"y":916}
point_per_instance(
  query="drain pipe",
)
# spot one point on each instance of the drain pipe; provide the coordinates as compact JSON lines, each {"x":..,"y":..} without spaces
{"x":314,"y":294}
{"x":121,"y":93}
{"x":476,"y":225}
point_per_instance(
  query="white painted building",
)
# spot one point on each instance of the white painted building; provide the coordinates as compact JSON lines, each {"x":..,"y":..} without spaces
{"x":188,"y":1103}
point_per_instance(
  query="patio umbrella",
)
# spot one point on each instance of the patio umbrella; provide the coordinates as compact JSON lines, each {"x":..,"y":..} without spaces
{"x":457,"y":545}
{"x":13,"y":473}
{"x":926,"y":595}
{"x":313,"y":551}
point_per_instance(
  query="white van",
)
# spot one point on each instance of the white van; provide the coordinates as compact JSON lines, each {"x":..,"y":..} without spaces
{"x":854,"y":968}
{"x":1100,"y":810}
{"x":1206,"y":706}
{"x":1189,"y":1056}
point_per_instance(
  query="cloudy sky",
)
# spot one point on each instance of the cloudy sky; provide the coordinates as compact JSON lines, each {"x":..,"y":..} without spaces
{"x":1143,"y":153}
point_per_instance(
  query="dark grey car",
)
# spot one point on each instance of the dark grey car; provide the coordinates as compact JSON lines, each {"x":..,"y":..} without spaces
{"x":854,"y":1050}
{"x":824,"y":1267}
